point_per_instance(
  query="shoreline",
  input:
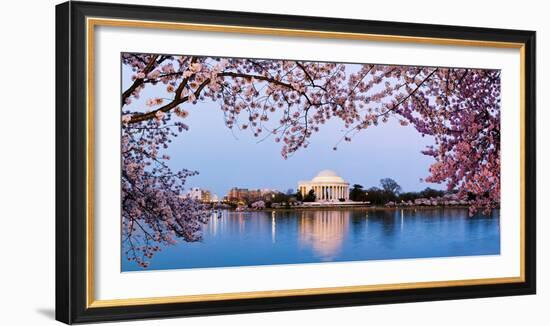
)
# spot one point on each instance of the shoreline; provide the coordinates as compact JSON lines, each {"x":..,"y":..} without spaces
{"x":355,"y":207}
{"x":361,"y":207}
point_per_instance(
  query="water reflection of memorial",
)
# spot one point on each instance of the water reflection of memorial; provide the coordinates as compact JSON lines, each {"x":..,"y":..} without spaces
{"x":269,"y":237}
{"x":323,"y":231}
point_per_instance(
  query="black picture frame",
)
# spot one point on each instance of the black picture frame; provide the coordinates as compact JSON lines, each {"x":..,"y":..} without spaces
{"x":71,"y":158}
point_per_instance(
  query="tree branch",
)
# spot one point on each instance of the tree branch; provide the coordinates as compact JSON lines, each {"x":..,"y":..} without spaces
{"x":177,"y":101}
{"x":139,"y":81}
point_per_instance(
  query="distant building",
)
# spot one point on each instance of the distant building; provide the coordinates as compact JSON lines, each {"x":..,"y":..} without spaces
{"x":237,"y":194}
{"x":200,"y":195}
{"x":249,"y":195}
{"x":206,"y":196}
{"x":327,"y":185}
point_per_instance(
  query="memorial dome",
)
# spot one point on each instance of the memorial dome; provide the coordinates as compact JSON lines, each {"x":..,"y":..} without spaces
{"x":328,"y":176}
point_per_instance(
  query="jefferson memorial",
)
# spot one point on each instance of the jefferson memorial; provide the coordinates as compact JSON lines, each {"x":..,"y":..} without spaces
{"x":327,"y":185}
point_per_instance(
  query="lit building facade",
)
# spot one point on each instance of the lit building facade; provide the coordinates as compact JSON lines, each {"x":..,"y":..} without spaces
{"x":327,"y":185}
{"x":200,"y":195}
{"x":243,"y":194}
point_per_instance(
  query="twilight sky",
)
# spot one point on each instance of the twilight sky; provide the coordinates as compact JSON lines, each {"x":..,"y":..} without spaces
{"x":226,"y":158}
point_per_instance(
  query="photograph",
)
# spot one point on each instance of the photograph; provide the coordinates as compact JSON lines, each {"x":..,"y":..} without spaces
{"x":237,"y":161}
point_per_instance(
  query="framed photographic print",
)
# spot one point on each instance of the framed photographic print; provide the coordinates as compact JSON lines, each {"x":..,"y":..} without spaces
{"x":213,"y":162}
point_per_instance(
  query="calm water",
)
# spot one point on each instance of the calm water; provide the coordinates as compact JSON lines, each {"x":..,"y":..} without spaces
{"x":292,"y":237}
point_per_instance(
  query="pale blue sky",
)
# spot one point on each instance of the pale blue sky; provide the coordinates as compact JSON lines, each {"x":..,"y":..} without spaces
{"x":227,"y":159}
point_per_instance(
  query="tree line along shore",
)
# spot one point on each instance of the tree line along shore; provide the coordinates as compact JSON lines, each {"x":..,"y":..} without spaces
{"x":387,"y":195}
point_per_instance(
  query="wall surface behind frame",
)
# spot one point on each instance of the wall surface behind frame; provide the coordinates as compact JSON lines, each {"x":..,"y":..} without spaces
{"x":27,"y":162}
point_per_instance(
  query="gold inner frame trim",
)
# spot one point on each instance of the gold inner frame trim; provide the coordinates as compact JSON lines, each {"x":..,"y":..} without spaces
{"x":92,"y":22}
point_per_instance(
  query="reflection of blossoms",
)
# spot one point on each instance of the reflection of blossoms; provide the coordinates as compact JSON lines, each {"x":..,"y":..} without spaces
{"x":291,"y":100}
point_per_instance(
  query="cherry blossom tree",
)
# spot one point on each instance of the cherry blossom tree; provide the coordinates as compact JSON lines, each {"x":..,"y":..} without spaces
{"x":288,"y":101}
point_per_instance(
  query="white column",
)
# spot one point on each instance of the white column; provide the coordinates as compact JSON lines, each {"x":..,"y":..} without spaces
{"x":344,"y":192}
{"x":317,"y":193}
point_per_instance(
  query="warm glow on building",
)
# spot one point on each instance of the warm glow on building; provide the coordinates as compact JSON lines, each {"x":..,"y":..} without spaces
{"x":327,"y":185}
